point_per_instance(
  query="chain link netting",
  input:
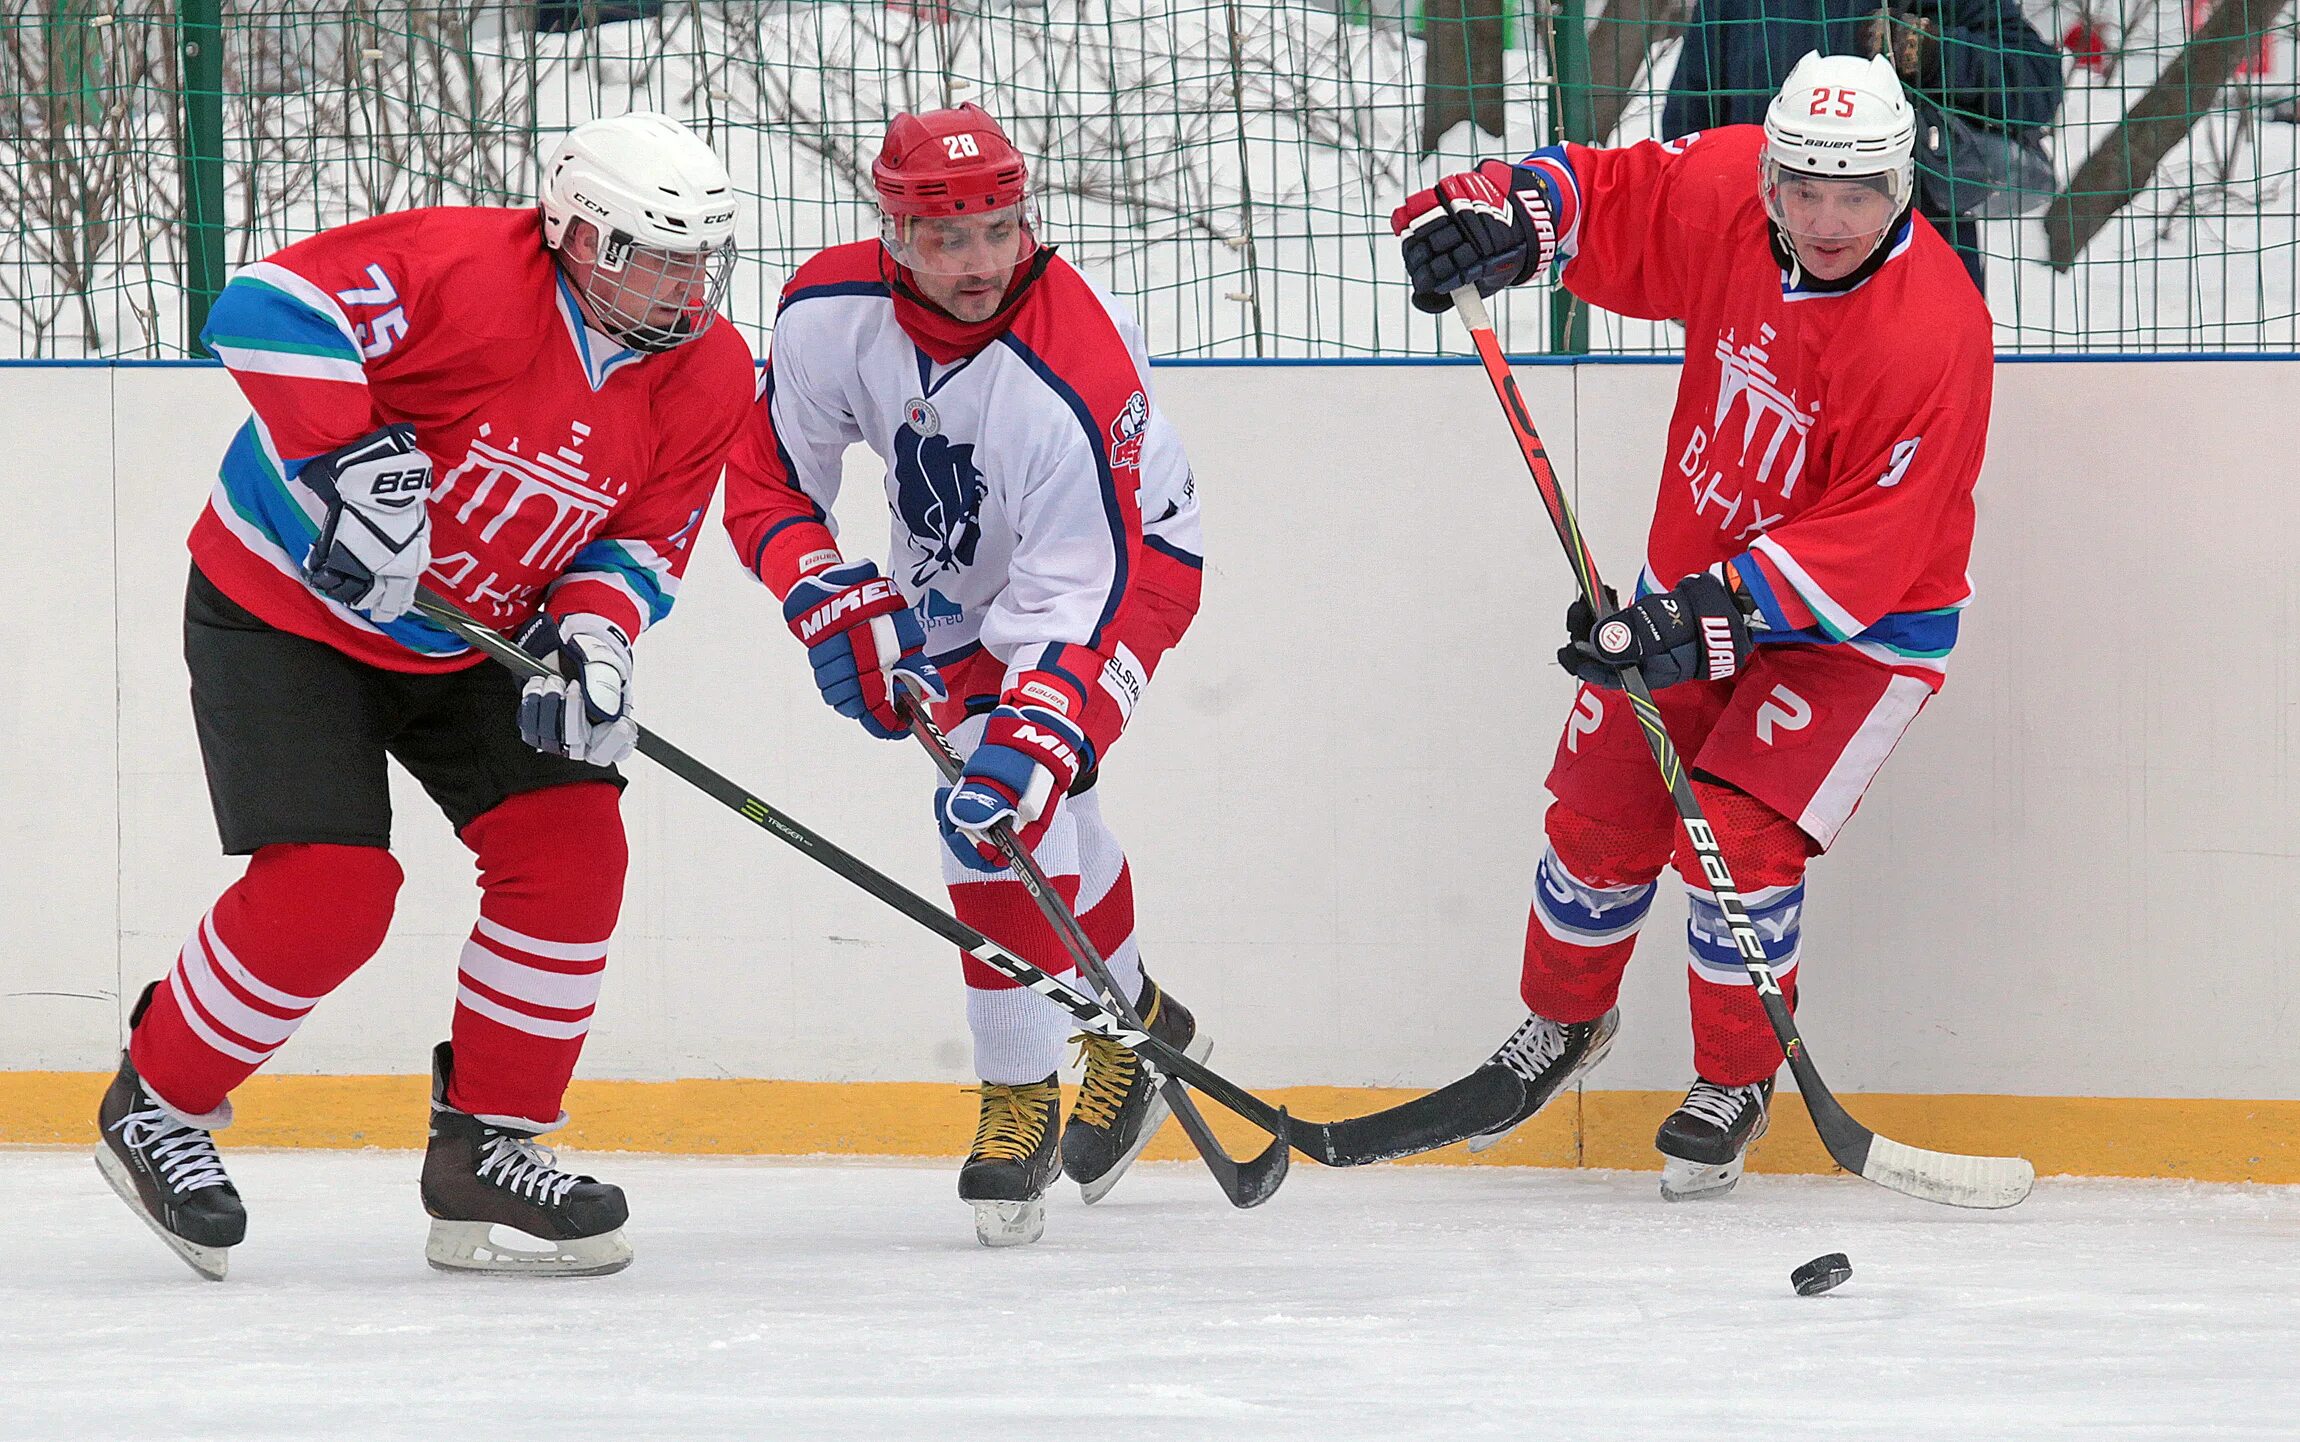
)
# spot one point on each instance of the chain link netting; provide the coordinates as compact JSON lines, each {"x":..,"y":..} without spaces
{"x":1228,"y":166}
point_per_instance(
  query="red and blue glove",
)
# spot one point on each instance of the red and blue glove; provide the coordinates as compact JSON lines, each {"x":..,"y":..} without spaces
{"x":861,"y":635}
{"x":1027,"y":761}
{"x":1698,"y":630}
{"x":1489,"y":227}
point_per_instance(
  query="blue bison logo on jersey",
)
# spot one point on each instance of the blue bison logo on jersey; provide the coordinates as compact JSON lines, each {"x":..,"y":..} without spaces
{"x":939,"y":493}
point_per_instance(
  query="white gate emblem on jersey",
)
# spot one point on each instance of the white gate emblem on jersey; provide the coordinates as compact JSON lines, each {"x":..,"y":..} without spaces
{"x":570,"y":501}
{"x":1744,"y":377}
{"x":921,"y":417}
{"x":1588,"y":715}
{"x":1783,"y":708}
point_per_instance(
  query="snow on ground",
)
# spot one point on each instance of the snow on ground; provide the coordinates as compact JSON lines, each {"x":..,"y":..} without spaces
{"x":774,"y":1300}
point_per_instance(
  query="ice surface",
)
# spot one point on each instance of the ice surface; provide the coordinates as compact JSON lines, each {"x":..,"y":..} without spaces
{"x":774,"y":1300}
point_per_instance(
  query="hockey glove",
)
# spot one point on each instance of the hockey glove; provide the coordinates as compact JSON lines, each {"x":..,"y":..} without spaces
{"x":1026,"y":763}
{"x":583,"y":713}
{"x":860,"y":635}
{"x":1489,"y":227}
{"x":1696,"y":631}
{"x":375,"y":541}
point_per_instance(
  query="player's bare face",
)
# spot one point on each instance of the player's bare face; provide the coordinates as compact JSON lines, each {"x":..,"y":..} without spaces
{"x":1833,"y":225}
{"x":964,"y":263}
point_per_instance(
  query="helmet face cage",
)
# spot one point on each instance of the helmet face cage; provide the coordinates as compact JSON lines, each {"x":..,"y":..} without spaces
{"x":1893,"y":187}
{"x":953,"y":245}
{"x":651,"y":298}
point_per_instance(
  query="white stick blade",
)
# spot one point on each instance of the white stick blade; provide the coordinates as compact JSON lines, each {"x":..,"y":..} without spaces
{"x":1987,"y":1183}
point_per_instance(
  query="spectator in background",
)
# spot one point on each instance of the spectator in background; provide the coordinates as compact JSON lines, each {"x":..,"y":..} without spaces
{"x":1979,"y":60}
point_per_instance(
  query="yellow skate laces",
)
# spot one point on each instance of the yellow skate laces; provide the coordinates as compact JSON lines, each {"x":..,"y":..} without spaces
{"x":1110,"y":1071}
{"x":1013,"y":1120}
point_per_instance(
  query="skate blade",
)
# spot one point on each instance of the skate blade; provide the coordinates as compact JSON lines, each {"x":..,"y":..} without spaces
{"x":209,"y":1262}
{"x":1153,"y":1117}
{"x":1684,"y":1181}
{"x":1485,"y":1141}
{"x":1009,"y":1224}
{"x":491,"y":1247}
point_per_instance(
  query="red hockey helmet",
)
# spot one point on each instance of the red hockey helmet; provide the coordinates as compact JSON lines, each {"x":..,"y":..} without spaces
{"x":953,"y":194}
{"x":948,"y":162}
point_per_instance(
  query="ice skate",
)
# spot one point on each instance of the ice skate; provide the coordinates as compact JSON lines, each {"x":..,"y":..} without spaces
{"x":500,"y":1204}
{"x":1013,"y":1161}
{"x":1704,"y":1142}
{"x":1549,"y":1055}
{"x":165,"y":1167}
{"x":1120,"y":1107}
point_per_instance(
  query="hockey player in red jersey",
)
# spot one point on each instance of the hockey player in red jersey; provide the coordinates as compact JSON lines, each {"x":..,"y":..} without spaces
{"x":1806,"y":563}
{"x":525,"y":410}
{"x":1045,"y":555}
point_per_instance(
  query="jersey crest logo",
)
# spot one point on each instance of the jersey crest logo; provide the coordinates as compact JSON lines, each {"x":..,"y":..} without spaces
{"x":938,"y":492}
{"x":920,"y":416}
{"x":1126,"y":433}
{"x":1751,"y":454}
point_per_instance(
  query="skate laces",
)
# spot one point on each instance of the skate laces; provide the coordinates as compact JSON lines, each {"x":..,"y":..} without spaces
{"x":184,"y":1155}
{"x":516,"y":1164}
{"x":1721,"y":1106}
{"x":1110,"y":1071}
{"x":1533,"y":1048}
{"x":1013,"y":1120}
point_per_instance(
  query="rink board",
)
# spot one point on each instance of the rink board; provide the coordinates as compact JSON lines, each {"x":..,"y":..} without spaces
{"x":2196,"y":1140}
{"x":2061,"y":924}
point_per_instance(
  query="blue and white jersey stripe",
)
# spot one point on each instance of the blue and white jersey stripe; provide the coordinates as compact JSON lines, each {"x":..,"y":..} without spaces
{"x":271,"y":321}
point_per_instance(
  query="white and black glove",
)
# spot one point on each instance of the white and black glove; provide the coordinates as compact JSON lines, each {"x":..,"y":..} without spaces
{"x":583,"y":713}
{"x":375,"y":542}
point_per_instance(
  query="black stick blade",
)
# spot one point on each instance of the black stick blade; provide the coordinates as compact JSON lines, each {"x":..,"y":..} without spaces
{"x":1254,"y":1181}
{"x":1488,"y":1099}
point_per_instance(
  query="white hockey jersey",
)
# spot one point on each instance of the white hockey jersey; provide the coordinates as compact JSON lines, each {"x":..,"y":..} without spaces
{"x":1041,"y":505}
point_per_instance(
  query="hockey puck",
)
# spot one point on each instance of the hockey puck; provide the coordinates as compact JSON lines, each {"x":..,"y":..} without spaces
{"x":1820,"y":1274}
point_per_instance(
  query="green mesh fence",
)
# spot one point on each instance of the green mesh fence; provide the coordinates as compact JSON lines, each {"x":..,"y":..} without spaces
{"x":1228,"y":166}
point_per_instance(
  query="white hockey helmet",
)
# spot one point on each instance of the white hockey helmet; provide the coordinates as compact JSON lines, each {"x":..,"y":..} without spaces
{"x":663,"y":208}
{"x":1842,"y":117}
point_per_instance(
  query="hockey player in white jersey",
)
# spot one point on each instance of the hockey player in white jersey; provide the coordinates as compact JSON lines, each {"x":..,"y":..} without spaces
{"x":1045,"y":556}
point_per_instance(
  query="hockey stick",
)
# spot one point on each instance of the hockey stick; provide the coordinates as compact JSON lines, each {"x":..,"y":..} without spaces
{"x":1247,"y":1186}
{"x":1947,"y":1177}
{"x":1348,"y":1143}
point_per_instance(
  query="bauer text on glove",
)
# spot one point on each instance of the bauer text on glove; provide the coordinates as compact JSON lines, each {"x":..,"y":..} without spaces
{"x":375,"y":539}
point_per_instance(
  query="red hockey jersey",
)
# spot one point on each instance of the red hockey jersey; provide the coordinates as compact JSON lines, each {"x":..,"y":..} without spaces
{"x":569,"y":471}
{"x":1826,"y":441}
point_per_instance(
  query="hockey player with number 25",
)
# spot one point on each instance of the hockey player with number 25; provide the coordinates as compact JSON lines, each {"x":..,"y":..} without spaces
{"x":1045,"y":555}
{"x":1806,"y":562}
{"x":526,"y":411}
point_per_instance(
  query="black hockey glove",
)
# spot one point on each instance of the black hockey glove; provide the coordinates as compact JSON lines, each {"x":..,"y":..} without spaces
{"x":1488,"y":227}
{"x":1696,"y":631}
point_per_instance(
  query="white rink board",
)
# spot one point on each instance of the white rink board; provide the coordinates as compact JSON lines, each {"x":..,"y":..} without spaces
{"x":2077,"y":877}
